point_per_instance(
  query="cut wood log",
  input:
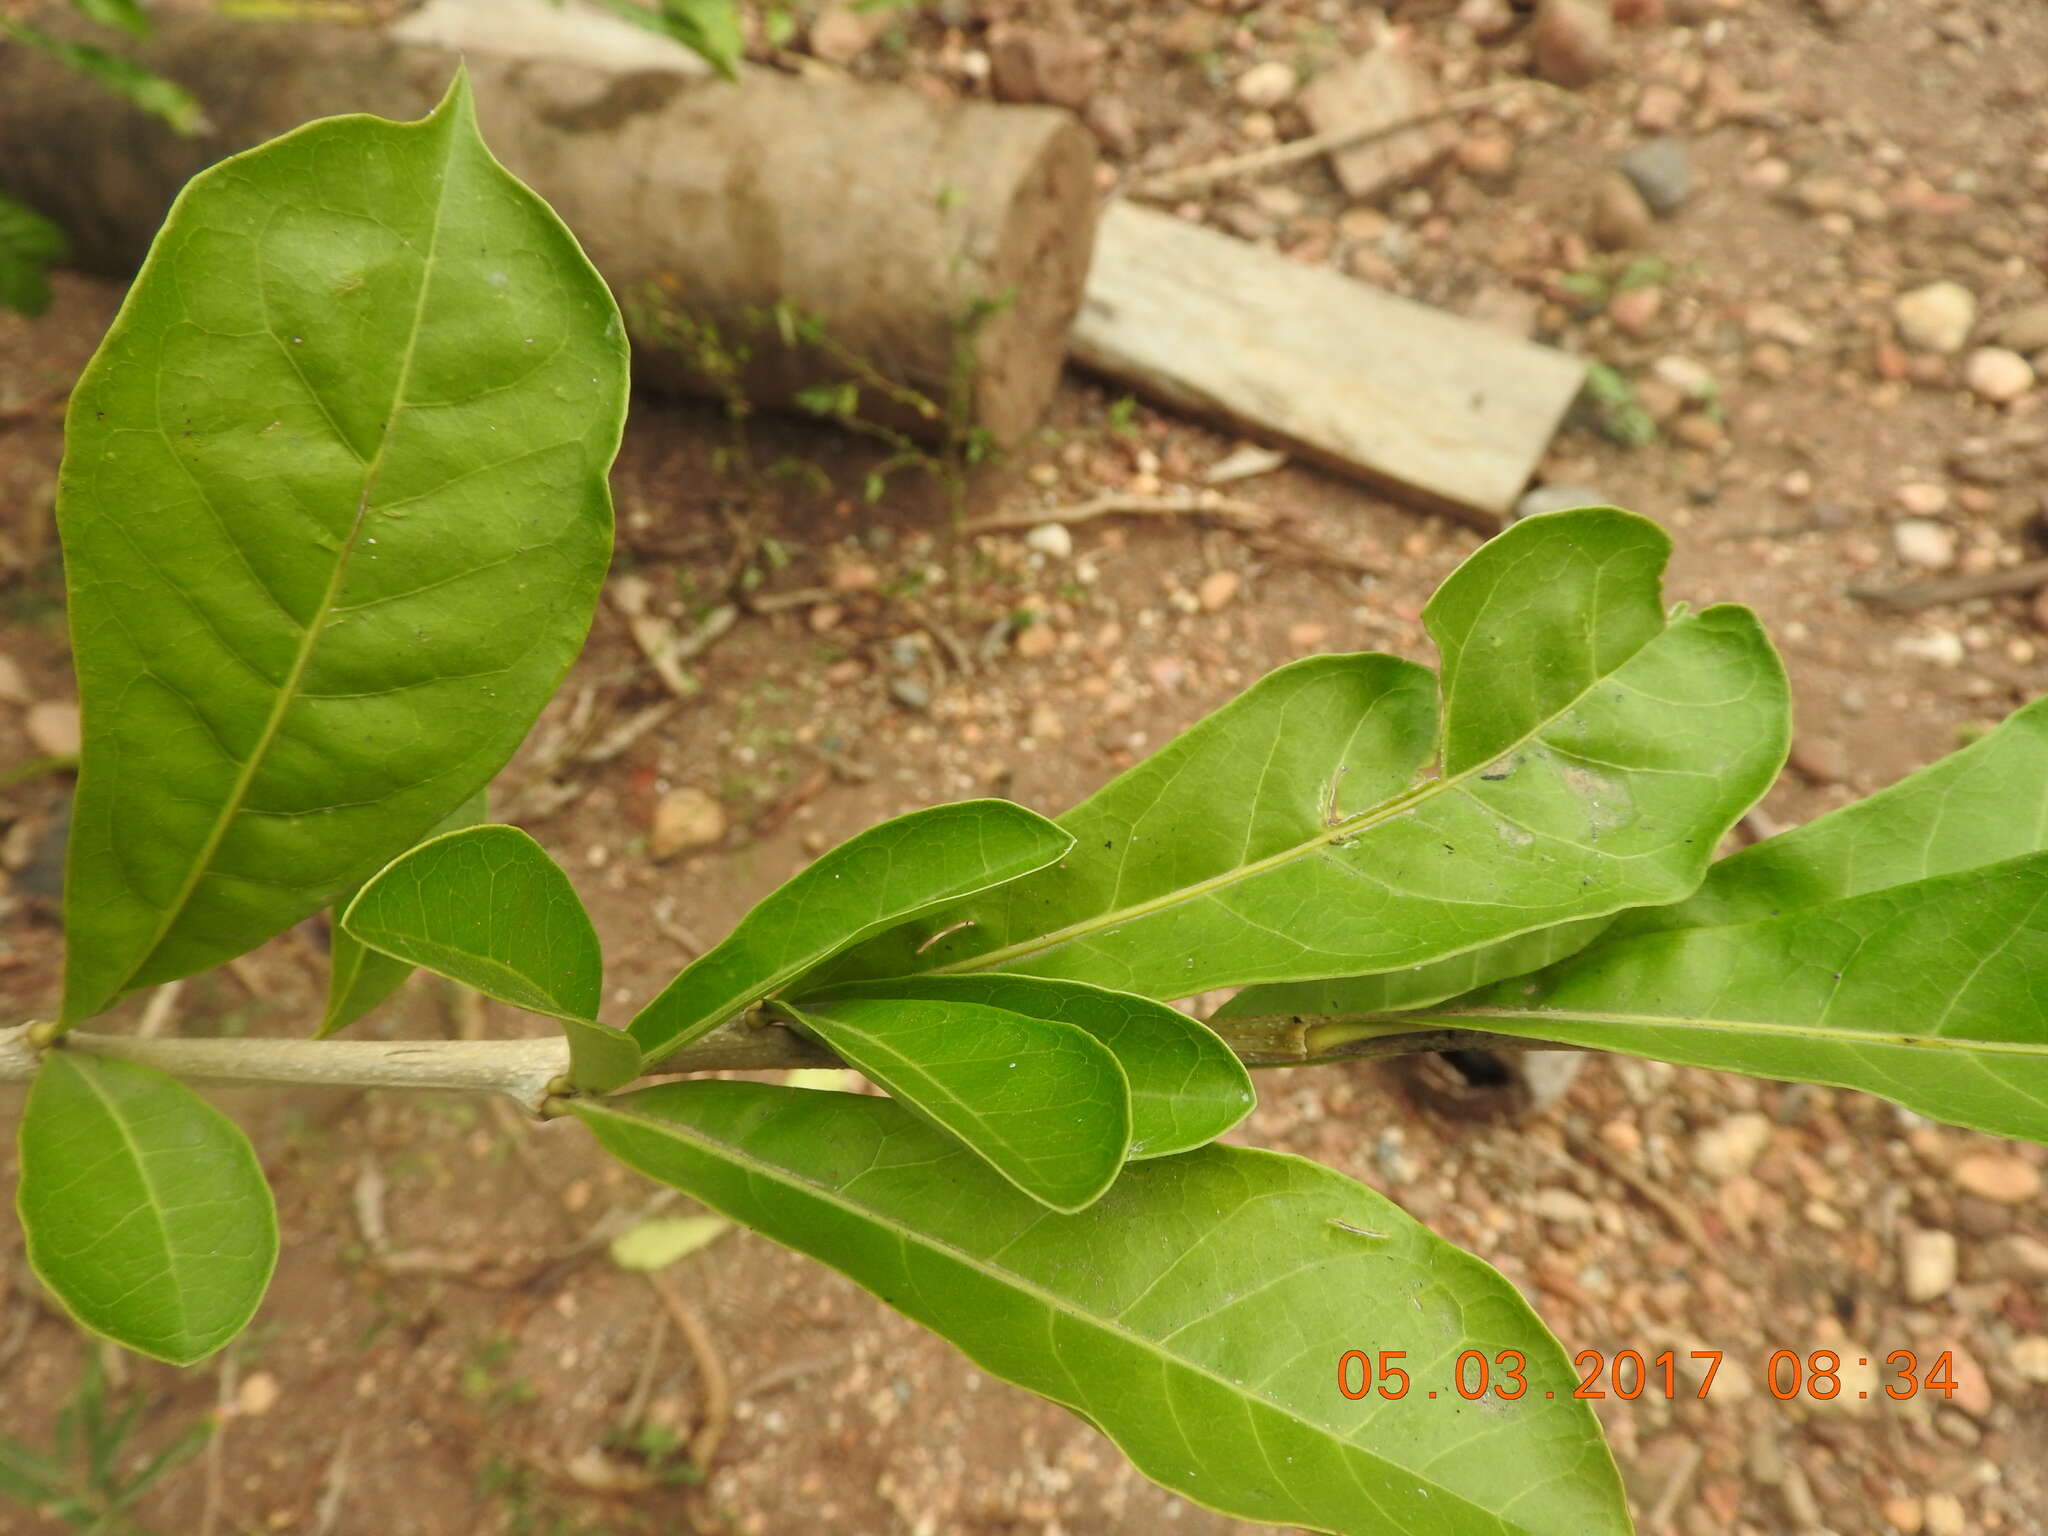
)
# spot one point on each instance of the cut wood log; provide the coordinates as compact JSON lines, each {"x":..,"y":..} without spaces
{"x":942,"y":245}
{"x":1429,"y":406}
{"x":1380,"y":90}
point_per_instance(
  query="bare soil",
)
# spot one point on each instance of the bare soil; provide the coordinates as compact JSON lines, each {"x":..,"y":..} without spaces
{"x":1836,"y":165}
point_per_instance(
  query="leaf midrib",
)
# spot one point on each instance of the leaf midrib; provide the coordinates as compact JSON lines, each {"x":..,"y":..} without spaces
{"x":911,"y":1236}
{"x":1349,"y":829}
{"x":288,"y":690}
{"x":1534,"y":1017}
{"x":149,"y":1188}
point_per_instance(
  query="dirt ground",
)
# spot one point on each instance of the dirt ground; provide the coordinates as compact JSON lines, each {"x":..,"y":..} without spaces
{"x":1807,"y":442}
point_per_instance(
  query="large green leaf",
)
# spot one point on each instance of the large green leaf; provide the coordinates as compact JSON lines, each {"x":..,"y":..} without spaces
{"x":1196,"y":1313}
{"x":869,"y":882}
{"x":29,"y":246}
{"x":487,"y":907}
{"x":1984,"y":804}
{"x":334,"y":518}
{"x":1933,"y":993}
{"x":358,"y":977}
{"x":1291,"y":836}
{"x":1044,"y":1104}
{"x":145,"y":1208}
{"x":1186,"y":1086}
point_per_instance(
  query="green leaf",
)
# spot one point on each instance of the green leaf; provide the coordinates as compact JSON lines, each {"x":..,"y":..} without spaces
{"x":29,"y":246}
{"x":1930,"y":993}
{"x":661,"y":1240}
{"x":145,"y":1209}
{"x":1042,"y":1103}
{"x":1195,"y":1314}
{"x":127,"y":15}
{"x":708,"y":28}
{"x":868,"y":883}
{"x":1982,"y":805}
{"x":334,"y":518}
{"x":142,"y":88}
{"x":1339,"y":997}
{"x":1186,"y":1086}
{"x":359,"y":978}
{"x":487,"y":907}
{"x":1595,"y":754}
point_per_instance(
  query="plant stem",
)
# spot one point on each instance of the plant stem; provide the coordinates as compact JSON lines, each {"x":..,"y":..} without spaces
{"x":528,"y":1070}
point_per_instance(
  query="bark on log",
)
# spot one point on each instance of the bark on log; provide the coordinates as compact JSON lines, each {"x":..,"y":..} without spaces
{"x":945,"y":245}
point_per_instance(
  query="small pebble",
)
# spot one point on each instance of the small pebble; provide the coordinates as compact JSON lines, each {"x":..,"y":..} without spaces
{"x":1927,"y":1263}
{"x":2029,"y":1358}
{"x":1661,"y":172}
{"x":1998,"y":376}
{"x":1922,"y":499}
{"x":1924,"y":544}
{"x":1035,"y":641}
{"x":1943,"y":647}
{"x":1997,"y":1176}
{"x":1621,"y":219}
{"x":13,"y":686}
{"x":1264,"y":86}
{"x":1730,"y":1149}
{"x":685,"y":818}
{"x":1218,"y":590}
{"x":1936,"y":318}
{"x":1942,"y":1515}
{"x":53,"y":728}
{"x":1636,"y":310}
{"x":1051,"y":539}
{"x":1572,"y":41}
{"x":1903,"y":1515}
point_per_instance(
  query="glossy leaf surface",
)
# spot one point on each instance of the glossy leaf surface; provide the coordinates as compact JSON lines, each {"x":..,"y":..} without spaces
{"x":146,"y":1211}
{"x":358,"y":977}
{"x":1292,"y":836}
{"x":869,"y":882}
{"x":1186,"y":1086}
{"x":487,"y":907}
{"x":1044,"y":1104}
{"x":1195,"y":1314}
{"x":1933,"y":993}
{"x":334,"y":517}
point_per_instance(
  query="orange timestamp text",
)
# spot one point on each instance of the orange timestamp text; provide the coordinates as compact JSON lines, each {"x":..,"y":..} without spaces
{"x":1629,"y":1374}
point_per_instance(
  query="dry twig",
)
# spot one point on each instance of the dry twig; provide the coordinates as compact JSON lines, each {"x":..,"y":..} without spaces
{"x":1258,"y":162}
{"x":2030,"y":576}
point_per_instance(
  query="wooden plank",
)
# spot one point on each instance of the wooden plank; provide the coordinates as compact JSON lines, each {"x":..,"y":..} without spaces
{"x":1430,"y":406}
{"x":1373,"y":92}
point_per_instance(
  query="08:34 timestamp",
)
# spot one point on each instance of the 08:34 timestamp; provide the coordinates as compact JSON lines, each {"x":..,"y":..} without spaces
{"x":1628,"y":1375}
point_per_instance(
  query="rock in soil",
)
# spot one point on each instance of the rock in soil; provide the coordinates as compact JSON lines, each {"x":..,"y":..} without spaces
{"x":1572,"y":41}
{"x":1621,"y":219}
{"x":1927,"y":1263}
{"x":1661,"y":172}
{"x":52,"y":727}
{"x":1998,"y":376}
{"x":1730,"y":1149}
{"x":1936,"y":318}
{"x":1033,"y":64}
{"x":1998,"y":1177}
{"x":684,"y":819}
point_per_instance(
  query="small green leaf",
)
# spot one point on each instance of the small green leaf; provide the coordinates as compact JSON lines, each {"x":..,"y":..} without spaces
{"x":334,"y":517}
{"x":1044,"y":1104}
{"x":1930,"y":993}
{"x":487,"y":907}
{"x":708,"y":28}
{"x":1593,"y":755}
{"x":146,"y":1210}
{"x":1186,"y":1086}
{"x":661,"y":1240}
{"x":127,"y":15}
{"x":29,"y":246}
{"x":359,"y":978}
{"x":141,"y":87}
{"x":1196,"y":1314}
{"x":868,"y":883}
